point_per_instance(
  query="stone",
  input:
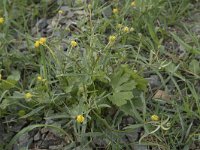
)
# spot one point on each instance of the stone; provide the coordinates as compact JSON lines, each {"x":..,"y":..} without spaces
{"x":154,"y":81}
{"x":55,"y":147}
{"x":37,"y":136}
{"x":44,"y":130}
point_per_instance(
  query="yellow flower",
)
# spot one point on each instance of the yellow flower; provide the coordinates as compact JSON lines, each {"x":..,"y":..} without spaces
{"x":133,"y":4}
{"x":39,"y":78}
{"x":80,"y":118}
{"x":112,"y":38}
{"x":1,"y":20}
{"x":115,"y":11}
{"x":28,"y":95}
{"x":126,"y":29}
{"x":43,"y":40}
{"x":60,"y":12}
{"x":37,"y":44}
{"x":73,"y":44}
{"x":155,"y":118}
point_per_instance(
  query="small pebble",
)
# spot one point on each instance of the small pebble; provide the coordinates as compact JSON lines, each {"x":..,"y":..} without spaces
{"x":37,"y":136}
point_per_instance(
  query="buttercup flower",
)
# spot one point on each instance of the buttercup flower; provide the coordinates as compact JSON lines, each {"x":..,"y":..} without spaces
{"x":73,"y":44}
{"x":39,"y":78}
{"x":155,"y":118}
{"x":61,"y":12}
{"x":112,"y":38}
{"x":80,"y":118}
{"x":28,"y":95}
{"x":1,"y":20}
{"x":126,"y":29}
{"x":43,"y":40}
{"x":133,"y":4}
{"x":115,"y":11}
{"x":37,"y":44}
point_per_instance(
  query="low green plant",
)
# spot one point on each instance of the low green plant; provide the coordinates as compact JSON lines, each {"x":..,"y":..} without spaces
{"x":84,"y":90}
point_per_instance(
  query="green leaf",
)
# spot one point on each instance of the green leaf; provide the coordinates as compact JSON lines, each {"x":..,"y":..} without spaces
{"x":120,"y":98}
{"x":2,"y":95}
{"x":134,"y":126}
{"x":8,"y":84}
{"x":141,"y":83}
{"x":118,"y":79}
{"x":189,"y":48}
{"x":14,"y":76}
{"x":173,"y":69}
{"x":58,"y":116}
{"x":68,"y":89}
{"x":126,"y":86}
{"x":34,"y":111}
{"x":194,"y":67}
{"x":10,"y":100}
{"x":5,"y":103}
{"x":123,"y":82}
{"x":152,"y":32}
{"x":104,"y":106}
{"x":11,"y":80}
